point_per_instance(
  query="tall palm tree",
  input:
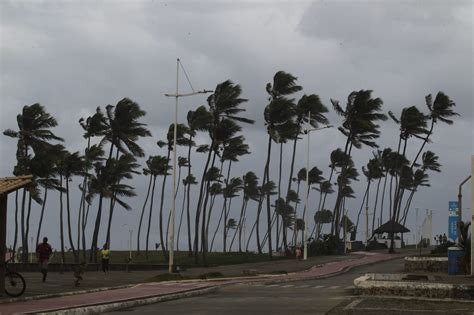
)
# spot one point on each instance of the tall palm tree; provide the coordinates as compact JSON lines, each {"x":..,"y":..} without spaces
{"x":321,"y":217}
{"x":94,"y":126}
{"x":308,"y":104}
{"x":359,"y":126}
{"x":69,"y":165}
{"x":224,"y":108}
{"x":34,"y":131}
{"x":187,"y":182}
{"x":250,"y":190}
{"x":198,"y":120}
{"x":279,"y":118}
{"x":47,"y":172}
{"x":372,"y":172}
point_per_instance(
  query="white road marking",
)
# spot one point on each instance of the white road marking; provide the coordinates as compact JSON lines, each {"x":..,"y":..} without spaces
{"x":303,"y":286}
{"x":273,"y":285}
{"x":288,"y":286}
{"x":318,"y":287}
{"x":350,"y":287}
{"x":333,"y":287}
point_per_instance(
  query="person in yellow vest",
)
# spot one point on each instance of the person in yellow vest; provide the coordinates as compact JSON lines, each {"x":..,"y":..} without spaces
{"x":105,"y":252}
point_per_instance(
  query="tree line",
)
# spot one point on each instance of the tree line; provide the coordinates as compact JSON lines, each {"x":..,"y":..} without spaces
{"x":109,"y":161}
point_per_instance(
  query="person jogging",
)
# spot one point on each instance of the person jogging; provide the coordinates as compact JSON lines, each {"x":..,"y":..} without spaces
{"x":43,"y":252}
{"x":105,"y":252}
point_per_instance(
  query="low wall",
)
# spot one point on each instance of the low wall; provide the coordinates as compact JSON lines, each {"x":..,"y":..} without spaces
{"x":430,"y":264}
{"x":34,"y":267}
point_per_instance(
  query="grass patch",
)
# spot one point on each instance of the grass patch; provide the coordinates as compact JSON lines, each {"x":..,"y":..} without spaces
{"x":277,"y":272}
{"x":167,"y":277}
{"x":211,"y":275}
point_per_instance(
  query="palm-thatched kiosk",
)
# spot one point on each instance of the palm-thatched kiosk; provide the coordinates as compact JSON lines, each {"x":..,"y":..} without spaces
{"x":7,"y":185}
{"x":391,"y":227}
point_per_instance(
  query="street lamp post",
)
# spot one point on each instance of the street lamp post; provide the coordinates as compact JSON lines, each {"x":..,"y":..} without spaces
{"x":308,"y":132}
{"x":130,"y":231}
{"x":173,"y":198}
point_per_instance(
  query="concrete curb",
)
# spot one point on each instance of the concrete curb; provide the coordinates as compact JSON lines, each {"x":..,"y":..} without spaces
{"x":53,"y":295}
{"x":101,"y":308}
{"x":393,"y":285}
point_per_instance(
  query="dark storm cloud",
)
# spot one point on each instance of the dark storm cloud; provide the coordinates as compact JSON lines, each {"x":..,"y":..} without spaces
{"x":73,"y":57}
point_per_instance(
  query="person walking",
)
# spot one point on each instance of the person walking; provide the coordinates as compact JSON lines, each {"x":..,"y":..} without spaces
{"x":43,"y":252}
{"x":445,"y":238}
{"x":105,"y":252}
{"x":298,"y":253}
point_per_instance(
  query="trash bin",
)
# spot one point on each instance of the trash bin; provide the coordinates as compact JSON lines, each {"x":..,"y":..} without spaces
{"x":454,"y":256}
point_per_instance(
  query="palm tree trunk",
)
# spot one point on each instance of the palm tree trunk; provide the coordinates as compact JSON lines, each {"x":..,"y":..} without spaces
{"x":15,"y":240}
{"x":186,"y":187}
{"x":78,"y":238}
{"x":61,"y":226}
{"x":162,"y":239}
{"x":211,"y":207}
{"x":383,"y":197}
{"x":198,"y":207}
{"x":188,"y":191}
{"x":85,"y":216}
{"x":250,"y":235}
{"x":277,"y":241}
{"x":296,"y":215}
{"x":224,"y":207}
{"x":226,"y":229}
{"x":27,"y":232}
{"x":424,"y":143}
{"x":150,"y":213}
{"x":71,"y":242}
{"x":269,"y":223}
{"x":375,"y":205}
{"x":240,"y":224}
{"x":95,"y":235}
{"x":362,"y":205}
{"x":41,"y":215}
{"x":143,"y":212}
{"x":204,"y":207}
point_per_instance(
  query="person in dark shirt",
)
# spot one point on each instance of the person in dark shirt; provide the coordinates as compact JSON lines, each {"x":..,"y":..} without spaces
{"x":43,"y":252}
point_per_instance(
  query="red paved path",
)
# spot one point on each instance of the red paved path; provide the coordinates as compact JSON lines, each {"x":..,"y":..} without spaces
{"x":162,"y":288}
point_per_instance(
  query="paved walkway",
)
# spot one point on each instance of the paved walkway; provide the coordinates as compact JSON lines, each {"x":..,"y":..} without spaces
{"x":146,"y":290}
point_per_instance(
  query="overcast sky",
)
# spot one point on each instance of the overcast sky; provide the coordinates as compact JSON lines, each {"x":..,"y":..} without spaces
{"x":74,"y":56}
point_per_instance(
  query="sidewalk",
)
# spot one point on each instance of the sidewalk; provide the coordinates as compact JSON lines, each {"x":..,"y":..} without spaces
{"x":160,"y":289}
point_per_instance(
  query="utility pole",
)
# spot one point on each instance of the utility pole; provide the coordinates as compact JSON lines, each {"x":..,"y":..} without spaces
{"x":173,"y":197}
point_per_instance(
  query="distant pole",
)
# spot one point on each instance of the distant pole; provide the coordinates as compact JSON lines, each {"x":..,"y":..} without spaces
{"x":345,"y":231}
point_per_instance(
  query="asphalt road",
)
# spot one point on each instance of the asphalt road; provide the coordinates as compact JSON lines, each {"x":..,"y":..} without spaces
{"x":302,"y":297}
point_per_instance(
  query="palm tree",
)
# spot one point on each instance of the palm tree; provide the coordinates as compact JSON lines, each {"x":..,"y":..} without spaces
{"x":279,"y":119}
{"x":69,"y":165}
{"x":308,"y":104}
{"x":124,"y":168}
{"x":360,"y":117}
{"x":47,"y":171}
{"x":181,"y":140}
{"x":182,"y":162}
{"x":441,"y":109}
{"x":95,"y":125}
{"x":372,"y":172}
{"x":224,"y":108}
{"x":189,"y":180}
{"x":34,"y":125}
{"x":250,"y":190}
{"x":321,"y":217}
{"x":198,"y":120}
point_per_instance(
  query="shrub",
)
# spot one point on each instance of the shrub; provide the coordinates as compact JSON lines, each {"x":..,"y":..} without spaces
{"x":328,"y":245}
